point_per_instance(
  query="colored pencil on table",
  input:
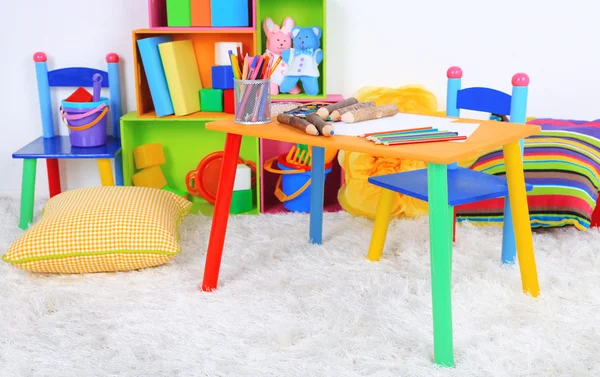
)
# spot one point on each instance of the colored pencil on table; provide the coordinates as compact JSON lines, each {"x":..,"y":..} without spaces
{"x":432,"y":136}
{"x":425,"y":141}
{"x":413,"y":136}
{"x":402,"y":134}
{"x":385,"y":132}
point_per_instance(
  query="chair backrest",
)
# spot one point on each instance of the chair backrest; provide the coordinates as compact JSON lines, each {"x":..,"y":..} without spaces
{"x":76,"y":77}
{"x":486,"y":99}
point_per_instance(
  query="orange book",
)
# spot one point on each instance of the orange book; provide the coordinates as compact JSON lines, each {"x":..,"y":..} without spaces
{"x":201,"y":13}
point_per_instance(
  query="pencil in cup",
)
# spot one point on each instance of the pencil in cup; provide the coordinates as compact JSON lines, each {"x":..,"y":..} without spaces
{"x":252,"y":101}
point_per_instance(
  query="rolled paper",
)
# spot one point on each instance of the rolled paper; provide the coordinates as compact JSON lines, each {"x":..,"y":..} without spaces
{"x":370,"y":113}
{"x":324,"y":112}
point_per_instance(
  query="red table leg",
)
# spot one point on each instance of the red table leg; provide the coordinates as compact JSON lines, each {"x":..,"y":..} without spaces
{"x":221,"y":214}
{"x":53,"y":176}
{"x":454,"y":227}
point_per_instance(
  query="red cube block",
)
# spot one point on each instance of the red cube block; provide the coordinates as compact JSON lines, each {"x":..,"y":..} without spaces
{"x":229,"y":101}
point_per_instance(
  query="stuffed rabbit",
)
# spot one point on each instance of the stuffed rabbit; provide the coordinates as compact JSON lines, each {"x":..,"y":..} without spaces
{"x":278,"y":40}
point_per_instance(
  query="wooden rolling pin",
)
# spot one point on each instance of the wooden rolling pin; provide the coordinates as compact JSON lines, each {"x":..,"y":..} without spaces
{"x":324,"y":112}
{"x":335,"y":114}
{"x":324,"y":128}
{"x":370,"y":113}
{"x":298,"y":123}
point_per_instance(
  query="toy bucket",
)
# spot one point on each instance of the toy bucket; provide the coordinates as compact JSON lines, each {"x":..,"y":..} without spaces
{"x":293,"y":183}
{"x":87,"y":122}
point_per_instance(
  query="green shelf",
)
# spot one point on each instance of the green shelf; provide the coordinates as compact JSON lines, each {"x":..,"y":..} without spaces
{"x":186,"y":141}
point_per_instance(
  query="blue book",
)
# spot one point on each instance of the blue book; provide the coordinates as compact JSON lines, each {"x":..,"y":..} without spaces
{"x":229,"y":13}
{"x":155,"y":73}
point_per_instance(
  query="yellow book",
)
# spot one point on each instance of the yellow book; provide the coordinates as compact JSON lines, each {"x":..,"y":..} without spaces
{"x":183,"y":78}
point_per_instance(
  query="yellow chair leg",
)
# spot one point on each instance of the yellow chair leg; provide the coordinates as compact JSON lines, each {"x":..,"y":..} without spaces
{"x":106,"y":175}
{"x":380,"y":228}
{"x":521,"y":223}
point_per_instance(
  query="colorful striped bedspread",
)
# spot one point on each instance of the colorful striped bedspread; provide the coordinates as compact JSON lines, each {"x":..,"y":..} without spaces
{"x":563,"y":164}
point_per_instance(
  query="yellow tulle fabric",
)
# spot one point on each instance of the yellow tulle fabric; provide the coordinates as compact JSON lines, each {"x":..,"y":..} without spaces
{"x":357,"y":196}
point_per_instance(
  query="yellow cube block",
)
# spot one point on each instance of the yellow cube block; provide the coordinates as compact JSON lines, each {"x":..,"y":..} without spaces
{"x":150,"y":177}
{"x":148,"y":155}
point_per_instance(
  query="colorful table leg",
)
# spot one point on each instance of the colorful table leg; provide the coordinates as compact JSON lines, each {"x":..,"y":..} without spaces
{"x":520,"y":216}
{"x":53,"y":176}
{"x":317,"y":187}
{"x":106,"y":175}
{"x":440,"y":236}
{"x":221,"y":214}
{"x":27,"y":192}
{"x":380,"y":227}
{"x":119,"y":168}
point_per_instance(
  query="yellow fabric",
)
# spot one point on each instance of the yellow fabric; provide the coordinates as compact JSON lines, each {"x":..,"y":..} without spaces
{"x":102,"y":229}
{"x":357,"y":196}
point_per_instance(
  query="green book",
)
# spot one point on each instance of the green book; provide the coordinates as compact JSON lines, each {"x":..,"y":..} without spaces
{"x":179,"y":13}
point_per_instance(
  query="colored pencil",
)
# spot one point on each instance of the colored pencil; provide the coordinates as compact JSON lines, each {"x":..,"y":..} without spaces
{"x":386,"y":132}
{"x":402,"y":134}
{"x":275,"y":65}
{"x":425,"y":141}
{"x":415,"y":136}
{"x":437,"y":136}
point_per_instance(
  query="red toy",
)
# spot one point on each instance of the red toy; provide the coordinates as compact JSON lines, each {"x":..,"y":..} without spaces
{"x":229,"y":101}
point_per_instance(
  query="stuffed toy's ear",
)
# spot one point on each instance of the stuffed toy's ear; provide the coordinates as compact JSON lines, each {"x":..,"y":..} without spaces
{"x":295,"y":31}
{"x":288,"y":24}
{"x":317,"y":31}
{"x":268,"y":26}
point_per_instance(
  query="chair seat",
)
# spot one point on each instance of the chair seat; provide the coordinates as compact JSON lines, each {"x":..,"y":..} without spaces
{"x":59,"y":147}
{"x":464,"y":185}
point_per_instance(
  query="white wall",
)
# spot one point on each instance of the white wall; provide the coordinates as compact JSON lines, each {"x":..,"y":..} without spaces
{"x":375,"y":42}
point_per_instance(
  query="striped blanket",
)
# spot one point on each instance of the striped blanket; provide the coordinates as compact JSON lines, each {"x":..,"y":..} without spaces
{"x":563,"y":164}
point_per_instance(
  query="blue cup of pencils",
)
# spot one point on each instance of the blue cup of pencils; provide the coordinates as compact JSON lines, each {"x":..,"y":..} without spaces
{"x":252,"y":101}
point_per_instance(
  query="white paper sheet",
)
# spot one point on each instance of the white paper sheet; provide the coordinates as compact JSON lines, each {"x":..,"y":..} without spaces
{"x":400,"y":121}
{"x":463,"y":129}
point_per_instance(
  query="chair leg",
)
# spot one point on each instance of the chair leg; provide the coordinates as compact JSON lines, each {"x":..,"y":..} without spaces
{"x":106,"y":176}
{"x":53,"y":176}
{"x":454,"y":225}
{"x":380,"y":227}
{"x":522,"y":224}
{"x":440,"y":235}
{"x":119,"y":169}
{"x":317,"y":187}
{"x":509,"y":247}
{"x":27,"y":192}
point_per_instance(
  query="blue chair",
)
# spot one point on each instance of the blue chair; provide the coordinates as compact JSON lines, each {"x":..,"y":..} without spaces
{"x":464,"y":185}
{"x":53,"y":148}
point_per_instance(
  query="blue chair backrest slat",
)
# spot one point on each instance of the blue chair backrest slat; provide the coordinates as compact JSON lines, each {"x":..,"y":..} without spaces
{"x":483,"y":99}
{"x":76,"y":76}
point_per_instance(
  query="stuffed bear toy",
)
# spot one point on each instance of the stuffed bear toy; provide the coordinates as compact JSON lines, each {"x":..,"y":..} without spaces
{"x":303,"y":60}
{"x":279,"y":40}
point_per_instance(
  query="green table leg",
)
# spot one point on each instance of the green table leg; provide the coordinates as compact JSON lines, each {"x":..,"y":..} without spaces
{"x":27,"y":192}
{"x":441,"y":263}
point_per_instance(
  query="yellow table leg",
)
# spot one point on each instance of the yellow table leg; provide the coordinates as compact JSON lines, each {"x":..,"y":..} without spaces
{"x":106,"y":175}
{"x":380,"y":228}
{"x":520,"y":212}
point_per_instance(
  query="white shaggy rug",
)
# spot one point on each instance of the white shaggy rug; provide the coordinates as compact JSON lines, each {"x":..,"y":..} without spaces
{"x":286,"y":308}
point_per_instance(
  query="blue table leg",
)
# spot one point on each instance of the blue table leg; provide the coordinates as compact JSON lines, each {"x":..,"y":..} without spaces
{"x":317,"y":187}
{"x":119,"y":168}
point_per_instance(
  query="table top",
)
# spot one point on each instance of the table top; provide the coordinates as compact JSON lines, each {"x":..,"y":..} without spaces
{"x":489,"y":135}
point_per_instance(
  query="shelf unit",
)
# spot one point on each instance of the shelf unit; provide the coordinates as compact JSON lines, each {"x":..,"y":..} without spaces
{"x":185,"y":139}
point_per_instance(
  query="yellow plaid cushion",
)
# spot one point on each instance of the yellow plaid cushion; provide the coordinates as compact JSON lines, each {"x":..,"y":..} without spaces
{"x":102,"y":229}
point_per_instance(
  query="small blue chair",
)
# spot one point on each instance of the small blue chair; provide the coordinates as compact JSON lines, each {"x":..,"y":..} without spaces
{"x":466,"y":185}
{"x":52,"y":147}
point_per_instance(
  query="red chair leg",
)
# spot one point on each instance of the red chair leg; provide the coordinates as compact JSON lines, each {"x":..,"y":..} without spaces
{"x":53,"y":176}
{"x":596,"y":216}
{"x":454,"y":228}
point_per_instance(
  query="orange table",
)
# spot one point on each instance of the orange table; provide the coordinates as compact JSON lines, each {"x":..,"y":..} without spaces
{"x":489,"y":135}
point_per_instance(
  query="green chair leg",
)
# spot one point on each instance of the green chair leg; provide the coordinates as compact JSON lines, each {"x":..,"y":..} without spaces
{"x":441,"y":263}
{"x":27,"y":192}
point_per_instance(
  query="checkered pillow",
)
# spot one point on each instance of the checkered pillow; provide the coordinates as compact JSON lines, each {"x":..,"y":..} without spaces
{"x":102,"y":229}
